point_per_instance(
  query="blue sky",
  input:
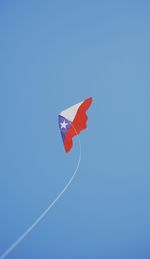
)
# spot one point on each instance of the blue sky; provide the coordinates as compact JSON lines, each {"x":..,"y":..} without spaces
{"x":54,"y":54}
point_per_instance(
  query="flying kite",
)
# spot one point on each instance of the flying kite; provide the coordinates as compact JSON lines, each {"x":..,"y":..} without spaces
{"x":72,"y":121}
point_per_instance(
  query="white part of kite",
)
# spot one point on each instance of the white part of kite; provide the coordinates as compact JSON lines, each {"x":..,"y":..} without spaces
{"x":71,"y":112}
{"x":37,"y":221}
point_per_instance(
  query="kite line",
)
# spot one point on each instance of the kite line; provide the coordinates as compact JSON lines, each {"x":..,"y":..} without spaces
{"x":37,"y":221}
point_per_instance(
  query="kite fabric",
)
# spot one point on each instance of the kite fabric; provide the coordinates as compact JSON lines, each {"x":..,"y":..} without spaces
{"x":72,"y":121}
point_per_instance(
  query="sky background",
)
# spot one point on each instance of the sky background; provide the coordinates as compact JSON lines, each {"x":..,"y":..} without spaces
{"x":54,"y":54}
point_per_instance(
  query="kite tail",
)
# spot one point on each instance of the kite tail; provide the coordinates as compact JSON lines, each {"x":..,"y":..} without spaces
{"x":37,"y":221}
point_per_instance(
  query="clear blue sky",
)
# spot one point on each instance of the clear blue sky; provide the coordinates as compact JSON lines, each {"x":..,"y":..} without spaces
{"x":53,"y":54}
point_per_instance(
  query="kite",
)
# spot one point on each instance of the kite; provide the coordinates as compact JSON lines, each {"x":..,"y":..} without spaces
{"x":72,"y":121}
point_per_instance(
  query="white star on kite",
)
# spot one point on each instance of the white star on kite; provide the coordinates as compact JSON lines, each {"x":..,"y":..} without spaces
{"x":63,"y":125}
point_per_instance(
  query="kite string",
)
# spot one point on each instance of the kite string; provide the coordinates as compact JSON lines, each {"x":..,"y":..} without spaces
{"x":36,"y":222}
